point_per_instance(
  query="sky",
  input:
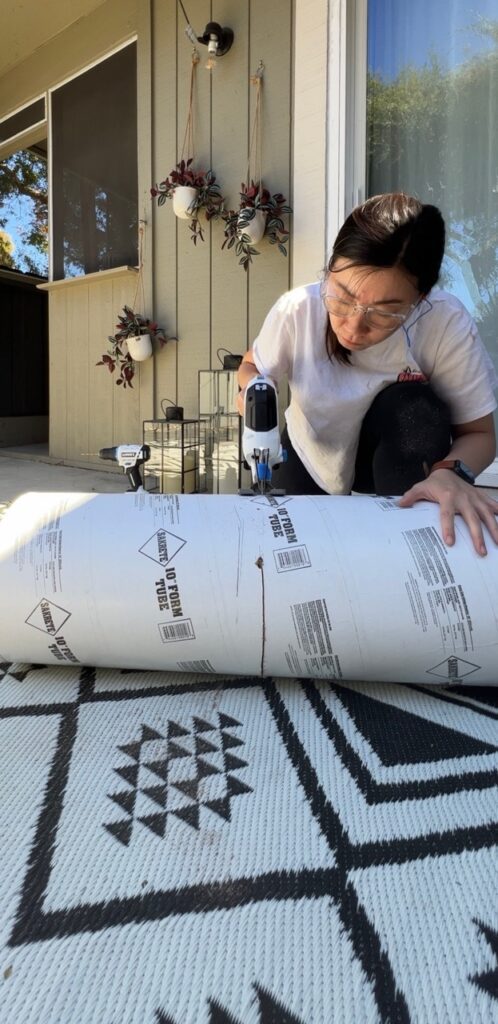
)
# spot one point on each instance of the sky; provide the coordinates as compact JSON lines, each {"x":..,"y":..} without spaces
{"x":404,"y":31}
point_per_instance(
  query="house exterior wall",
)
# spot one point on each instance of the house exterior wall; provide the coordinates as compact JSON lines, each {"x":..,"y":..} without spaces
{"x":198,"y":293}
{"x":200,"y":290}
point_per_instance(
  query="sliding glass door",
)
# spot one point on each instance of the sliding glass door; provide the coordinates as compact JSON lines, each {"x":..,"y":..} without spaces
{"x":432,"y":130}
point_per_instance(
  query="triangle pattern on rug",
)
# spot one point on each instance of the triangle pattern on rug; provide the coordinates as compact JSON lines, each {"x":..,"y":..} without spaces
{"x":273,"y":1012}
{"x":121,"y":830}
{"x":226,"y":722}
{"x":159,"y":794}
{"x":221,"y":807}
{"x":176,"y":730}
{"x":131,"y":750}
{"x":488,"y":980}
{"x":159,"y":768}
{"x":150,"y":734}
{"x":203,"y":746}
{"x":189,"y":787}
{"x":175,"y":750}
{"x":155,"y":822}
{"x":19,"y":675}
{"x":204,"y":768}
{"x":190,"y":815}
{"x":129,"y":773}
{"x":200,"y":725}
{"x":126,"y":800}
{"x":424,"y":740}
{"x":230,"y":741}
{"x":232,"y":762}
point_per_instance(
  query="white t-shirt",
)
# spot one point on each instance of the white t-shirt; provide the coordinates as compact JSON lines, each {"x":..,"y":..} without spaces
{"x":439,"y":342}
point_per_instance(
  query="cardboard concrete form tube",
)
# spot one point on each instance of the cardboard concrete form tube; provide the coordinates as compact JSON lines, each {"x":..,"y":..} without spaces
{"x":330,"y":587}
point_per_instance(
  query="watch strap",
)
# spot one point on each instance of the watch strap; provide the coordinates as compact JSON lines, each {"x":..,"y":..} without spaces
{"x":444,"y":464}
{"x":457,"y":467}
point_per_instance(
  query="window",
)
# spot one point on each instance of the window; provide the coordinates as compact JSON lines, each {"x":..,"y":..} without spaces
{"x":432,"y":117}
{"x":94,"y":168}
{"x":24,"y":211}
{"x":23,"y":119}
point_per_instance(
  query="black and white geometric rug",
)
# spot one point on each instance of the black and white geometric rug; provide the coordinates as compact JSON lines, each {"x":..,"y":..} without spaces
{"x":181,"y":849}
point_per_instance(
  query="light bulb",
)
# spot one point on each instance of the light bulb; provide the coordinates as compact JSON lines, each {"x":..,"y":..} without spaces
{"x":210,"y":63}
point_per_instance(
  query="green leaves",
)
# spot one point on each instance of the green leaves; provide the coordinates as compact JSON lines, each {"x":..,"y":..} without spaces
{"x":253,"y":197}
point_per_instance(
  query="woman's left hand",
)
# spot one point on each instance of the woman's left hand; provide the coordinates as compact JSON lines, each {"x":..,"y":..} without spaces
{"x":456,"y":497}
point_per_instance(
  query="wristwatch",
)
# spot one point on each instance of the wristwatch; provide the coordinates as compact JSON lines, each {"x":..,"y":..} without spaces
{"x":458,"y":467}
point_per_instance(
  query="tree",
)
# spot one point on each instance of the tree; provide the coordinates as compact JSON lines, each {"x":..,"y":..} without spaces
{"x":432,"y":132}
{"x":23,"y":197}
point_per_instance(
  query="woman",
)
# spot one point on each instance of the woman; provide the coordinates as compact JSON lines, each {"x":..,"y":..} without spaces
{"x":391,"y":387}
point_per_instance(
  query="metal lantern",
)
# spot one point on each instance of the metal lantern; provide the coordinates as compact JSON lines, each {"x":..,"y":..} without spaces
{"x":174,"y":442}
{"x":221,"y":451}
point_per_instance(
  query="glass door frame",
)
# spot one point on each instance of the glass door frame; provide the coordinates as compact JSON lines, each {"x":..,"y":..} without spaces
{"x":347,"y":110}
{"x":347,"y":125}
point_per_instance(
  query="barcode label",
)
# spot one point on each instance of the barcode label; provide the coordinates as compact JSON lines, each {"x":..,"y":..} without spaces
{"x":196,"y":666}
{"x":180,"y":630}
{"x":387,"y":504}
{"x":292,"y":558}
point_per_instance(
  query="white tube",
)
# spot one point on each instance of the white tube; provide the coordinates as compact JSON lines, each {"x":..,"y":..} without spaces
{"x":331,"y":587}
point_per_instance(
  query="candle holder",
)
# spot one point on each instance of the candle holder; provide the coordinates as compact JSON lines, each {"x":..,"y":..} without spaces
{"x":174,"y":442}
{"x":221,"y":459}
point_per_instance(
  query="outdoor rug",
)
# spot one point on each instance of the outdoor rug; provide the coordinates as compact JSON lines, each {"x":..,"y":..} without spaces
{"x":180,"y":849}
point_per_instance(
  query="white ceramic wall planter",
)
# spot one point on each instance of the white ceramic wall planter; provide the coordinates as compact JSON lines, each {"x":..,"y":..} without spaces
{"x":253,"y":228}
{"x":184,"y":198}
{"x":140,"y":347}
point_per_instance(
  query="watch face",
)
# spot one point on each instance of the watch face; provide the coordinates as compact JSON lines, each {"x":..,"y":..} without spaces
{"x":464,"y":472}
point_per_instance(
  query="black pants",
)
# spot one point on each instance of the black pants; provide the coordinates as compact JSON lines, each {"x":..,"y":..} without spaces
{"x":406,"y":428}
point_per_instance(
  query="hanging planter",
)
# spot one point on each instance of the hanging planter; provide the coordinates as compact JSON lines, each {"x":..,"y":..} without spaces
{"x":131,"y":343}
{"x":140,"y":347}
{"x":251,"y":222}
{"x":260,"y":214}
{"x":191,"y":191}
{"x":184,"y":201}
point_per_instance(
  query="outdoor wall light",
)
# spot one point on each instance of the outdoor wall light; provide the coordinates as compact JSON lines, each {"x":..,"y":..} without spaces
{"x":217,"y":39}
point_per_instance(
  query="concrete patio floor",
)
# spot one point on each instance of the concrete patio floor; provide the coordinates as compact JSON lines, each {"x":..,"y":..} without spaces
{"x":29,"y":468}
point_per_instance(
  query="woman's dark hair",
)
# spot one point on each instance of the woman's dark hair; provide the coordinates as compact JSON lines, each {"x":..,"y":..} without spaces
{"x":390,"y":230}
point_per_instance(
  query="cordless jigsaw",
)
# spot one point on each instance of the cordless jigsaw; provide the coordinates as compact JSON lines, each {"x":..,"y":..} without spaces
{"x":261,"y":445}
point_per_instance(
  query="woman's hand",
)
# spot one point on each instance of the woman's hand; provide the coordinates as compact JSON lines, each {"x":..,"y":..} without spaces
{"x":456,"y":497}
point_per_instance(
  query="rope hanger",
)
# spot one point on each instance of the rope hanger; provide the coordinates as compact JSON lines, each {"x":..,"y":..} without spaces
{"x":254,"y":164}
{"x":188,"y":138}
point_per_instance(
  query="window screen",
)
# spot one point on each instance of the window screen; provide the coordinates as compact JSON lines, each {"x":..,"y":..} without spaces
{"x":94,"y":168}
{"x":24,"y":118}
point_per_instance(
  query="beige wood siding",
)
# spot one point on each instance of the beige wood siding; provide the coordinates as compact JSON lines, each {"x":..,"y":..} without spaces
{"x":87,"y":410}
{"x":215,"y":303}
{"x":198,"y":293}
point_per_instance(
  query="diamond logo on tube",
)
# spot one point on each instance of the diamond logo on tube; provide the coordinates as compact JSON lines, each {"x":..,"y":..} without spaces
{"x":162,"y":547}
{"x":48,"y":617}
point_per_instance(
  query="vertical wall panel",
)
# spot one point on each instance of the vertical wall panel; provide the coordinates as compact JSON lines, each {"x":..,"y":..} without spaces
{"x":144,"y":157}
{"x":271,"y":41}
{"x":78,"y":376}
{"x":127,"y":427}
{"x":230,"y":139}
{"x":194,"y":264}
{"x":57,"y":373}
{"x":101,"y":314}
{"x":161,"y":221}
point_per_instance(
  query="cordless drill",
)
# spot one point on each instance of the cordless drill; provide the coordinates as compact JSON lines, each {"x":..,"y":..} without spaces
{"x":130,"y":457}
